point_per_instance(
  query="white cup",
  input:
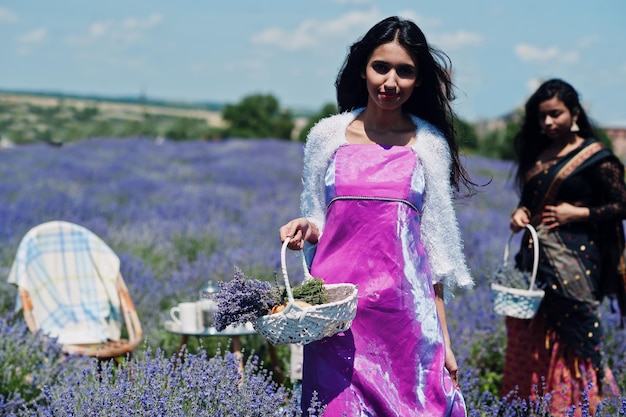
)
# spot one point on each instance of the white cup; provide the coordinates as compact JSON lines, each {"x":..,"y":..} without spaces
{"x":186,"y":316}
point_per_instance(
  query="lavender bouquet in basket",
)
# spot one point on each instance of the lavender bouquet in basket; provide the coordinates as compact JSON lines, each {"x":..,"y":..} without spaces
{"x":244,"y":299}
{"x":510,"y":276}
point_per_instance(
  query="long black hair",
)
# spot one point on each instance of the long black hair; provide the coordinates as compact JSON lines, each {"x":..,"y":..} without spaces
{"x":530,"y":141}
{"x":429,"y":101}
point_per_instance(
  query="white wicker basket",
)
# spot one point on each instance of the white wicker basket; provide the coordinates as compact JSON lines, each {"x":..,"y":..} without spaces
{"x":517,"y":302}
{"x":302,"y":325}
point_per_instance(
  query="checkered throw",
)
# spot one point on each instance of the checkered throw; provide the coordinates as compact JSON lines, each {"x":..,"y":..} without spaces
{"x":70,"y":274}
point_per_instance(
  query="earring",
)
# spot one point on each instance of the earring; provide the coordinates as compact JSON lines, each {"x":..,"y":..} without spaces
{"x":574,"y":127}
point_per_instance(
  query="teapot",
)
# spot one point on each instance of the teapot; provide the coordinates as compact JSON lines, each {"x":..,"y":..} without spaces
{"x":207,"y":305}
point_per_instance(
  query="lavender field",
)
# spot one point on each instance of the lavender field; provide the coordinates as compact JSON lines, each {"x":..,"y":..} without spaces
{"x":181,"y":213}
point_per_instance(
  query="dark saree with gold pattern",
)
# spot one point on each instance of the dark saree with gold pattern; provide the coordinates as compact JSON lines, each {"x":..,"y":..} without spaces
{"x":579,"y":265}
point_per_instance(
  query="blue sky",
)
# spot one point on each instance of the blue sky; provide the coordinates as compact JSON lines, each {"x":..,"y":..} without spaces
{"x":221,"y":51}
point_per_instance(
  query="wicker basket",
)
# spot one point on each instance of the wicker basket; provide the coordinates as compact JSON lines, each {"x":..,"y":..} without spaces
{"x":302,"y":325}
{"x":517,"y":302}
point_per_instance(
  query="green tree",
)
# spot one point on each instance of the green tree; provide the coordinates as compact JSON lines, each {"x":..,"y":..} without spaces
{"x":129,"y":128}
{"x":258,"y":116}
{"x":498,"y":143}
{"x":466,"y":134}
{"x":101,"y":128}
{"x":182,"y":128}
{"x":604,"y":138}
{"x":327,"y":110}
{"x":85,"y":114}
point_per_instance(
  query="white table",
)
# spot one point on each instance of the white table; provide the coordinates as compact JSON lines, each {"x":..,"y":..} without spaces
{"x":231,"y":331}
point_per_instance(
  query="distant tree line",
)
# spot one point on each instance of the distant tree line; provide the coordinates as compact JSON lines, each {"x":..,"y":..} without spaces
{"x":255,"y":116}
{"x":259,"y":116}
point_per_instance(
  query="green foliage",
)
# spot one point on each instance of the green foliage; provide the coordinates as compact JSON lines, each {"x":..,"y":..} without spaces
{"x":255,"y":116}
{"x":311,"y":291}
{"x":487,"y":356}
{"x":466,"y":134}
{"x":129,"y":128}
{"x":28,"y":363}
{"x":327,"y":110}
{"x":258,"y":116}
{"x":63,"y":122}
{"x":101,"y":128}
{"x":498,"y":143}
{"x":488,"y":405}
{"x":45,"y":112}
{"x":154,"y":384}
{"x":182,"y":128}
{"x":190,"y":247}
{"x":604,"y":138}
{"x":85,"y":114}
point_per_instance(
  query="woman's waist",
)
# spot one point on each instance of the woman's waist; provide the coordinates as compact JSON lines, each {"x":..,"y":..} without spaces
{"x":379,"y":200}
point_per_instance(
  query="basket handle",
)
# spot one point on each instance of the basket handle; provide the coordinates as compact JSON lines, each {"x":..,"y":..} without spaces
{"x":283,"y":264}
{"x":305,"y":267}
{"x":533,"y":233}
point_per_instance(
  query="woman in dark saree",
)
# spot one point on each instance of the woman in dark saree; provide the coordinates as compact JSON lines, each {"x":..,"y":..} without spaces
{"x":572,"y":191}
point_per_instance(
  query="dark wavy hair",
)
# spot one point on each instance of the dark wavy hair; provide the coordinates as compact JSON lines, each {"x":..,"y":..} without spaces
{"x":530,"y":141}
{"x":430,"y":100}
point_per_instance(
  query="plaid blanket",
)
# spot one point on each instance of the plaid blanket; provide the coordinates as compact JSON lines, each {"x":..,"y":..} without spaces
{"x":70,"y":274}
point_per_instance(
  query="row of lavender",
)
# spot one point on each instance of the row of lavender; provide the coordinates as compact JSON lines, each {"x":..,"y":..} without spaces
{"x":181,"y":213}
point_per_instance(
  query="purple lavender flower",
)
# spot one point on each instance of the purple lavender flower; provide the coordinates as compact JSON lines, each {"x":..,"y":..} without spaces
{"x":158,"y":385}
{"x":243,"y":299}
{"x":175,"y":228}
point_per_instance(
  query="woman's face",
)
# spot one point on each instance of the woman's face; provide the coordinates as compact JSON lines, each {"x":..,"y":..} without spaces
{"x":555,"y":119}
{"x":390,"y":76}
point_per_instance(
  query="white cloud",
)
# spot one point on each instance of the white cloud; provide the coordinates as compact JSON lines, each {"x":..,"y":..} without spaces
{"x":7,"y":16}
{"x":99,"y":29}
{"x":301,"y":38}
{"x":588,"y":41}
{"x":531,"y":53}
{"x":151,"y":21}
{"x":30,"y":40}
{"x":312,"y":33}
{"x":34,"y":37}
{"x":424,"y":23}
{"x":533,"y":84}
{"x":444,"y":40}
{"x":121,"y":33}
{"x":457,"y":40}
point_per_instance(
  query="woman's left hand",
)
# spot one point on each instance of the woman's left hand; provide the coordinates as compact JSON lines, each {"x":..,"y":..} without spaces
{"x":563,"y":213}
{"x":452,"y":367}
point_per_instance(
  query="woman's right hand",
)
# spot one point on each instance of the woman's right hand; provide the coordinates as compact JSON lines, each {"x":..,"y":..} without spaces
{"x":298,"y":231}
{"x":519,"y":219}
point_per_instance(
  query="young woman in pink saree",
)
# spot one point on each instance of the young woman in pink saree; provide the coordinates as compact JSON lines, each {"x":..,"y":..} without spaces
{"x":377,"y":211}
